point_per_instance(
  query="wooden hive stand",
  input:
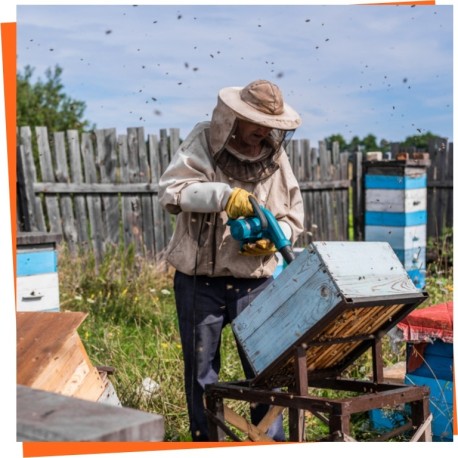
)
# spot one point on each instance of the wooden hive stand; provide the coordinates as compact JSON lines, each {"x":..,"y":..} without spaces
{"x":333,"y":303}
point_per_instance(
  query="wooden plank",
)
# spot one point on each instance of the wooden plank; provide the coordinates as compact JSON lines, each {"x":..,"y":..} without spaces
{"x":298,"y":160}
{"x":325,"y":162}
{"x":24,"y":239}
{"x":47,"y":174}
{"x":94,"y":203}
{"x":25,"y":196}
{"x":76,"y":174}
{"x":358,"y":196}
{"x":65,"y":371}
{"x":166,"y":155}
{"x":158,"y":212}
{"x":43,"y":417}
{"x":128,"y":201}
{"x":174,"y":140}
{"x":134,"y":177}
{"x":96,"y":188}
{"x":66,"y":204}
{"x":108,"y":162}
{"x":37,"y":221}
{"x":254,"y":433}
{"x":147,"y":234}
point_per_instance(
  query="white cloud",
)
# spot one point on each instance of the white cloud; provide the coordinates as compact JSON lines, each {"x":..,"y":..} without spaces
{"x":342,"y":67}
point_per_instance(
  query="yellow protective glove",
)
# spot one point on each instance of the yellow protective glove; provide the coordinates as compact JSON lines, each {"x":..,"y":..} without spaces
{"x":238,"y":204}
{"x":261,"y":247}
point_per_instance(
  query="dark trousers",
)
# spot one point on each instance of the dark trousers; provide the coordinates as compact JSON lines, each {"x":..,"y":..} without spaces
{"x":204,"y":306}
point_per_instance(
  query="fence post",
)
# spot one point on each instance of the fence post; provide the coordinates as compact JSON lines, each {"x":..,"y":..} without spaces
{"x":358,"y":195}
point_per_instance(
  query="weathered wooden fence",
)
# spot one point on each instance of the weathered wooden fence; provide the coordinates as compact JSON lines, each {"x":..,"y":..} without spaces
{"x":100,"y":189}
{"x":440,"y":187}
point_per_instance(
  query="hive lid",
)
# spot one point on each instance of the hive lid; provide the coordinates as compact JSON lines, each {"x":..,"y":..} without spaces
{"x":364,"y":269}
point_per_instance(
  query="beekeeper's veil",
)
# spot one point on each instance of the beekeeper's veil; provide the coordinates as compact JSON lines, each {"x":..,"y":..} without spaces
{"x":260,"y":102}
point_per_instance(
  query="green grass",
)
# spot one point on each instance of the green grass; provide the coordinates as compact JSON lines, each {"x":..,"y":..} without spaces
{"x":132,"y":326}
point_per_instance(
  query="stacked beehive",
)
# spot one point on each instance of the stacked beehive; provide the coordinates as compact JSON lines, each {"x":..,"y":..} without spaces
{"x":395,"y":211}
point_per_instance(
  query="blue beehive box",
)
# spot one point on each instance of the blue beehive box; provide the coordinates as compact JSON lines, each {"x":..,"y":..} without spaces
{"x":440,"y":404}
{"x":37,"y":281}
{"x":332,"y":291}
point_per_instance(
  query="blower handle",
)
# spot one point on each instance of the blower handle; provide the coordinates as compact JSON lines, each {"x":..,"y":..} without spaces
{"x":259,"y":213}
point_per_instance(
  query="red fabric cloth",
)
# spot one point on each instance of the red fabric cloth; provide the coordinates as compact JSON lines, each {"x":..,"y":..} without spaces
{"x":428,"y":324}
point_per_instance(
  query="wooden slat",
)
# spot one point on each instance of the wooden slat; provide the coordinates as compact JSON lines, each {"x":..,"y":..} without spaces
{"x":66,"y":205}
{"x":134,"y":177}
{"x":37,"y":221}
{"x":166,"y":156}
{"x":127,"y":200}
{"x":245,"y":426}
{"x":158,"y":212}
{"x":47,"y":173}
{"x":97,"y":188}
{"x":145,"y":200}
{"x":64,"y":372}
{"x":76,"y":174}
{"x":108,"y":162}
{"x":94,"y":203}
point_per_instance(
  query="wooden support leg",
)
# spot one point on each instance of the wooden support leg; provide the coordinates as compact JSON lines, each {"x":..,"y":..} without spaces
{"x":377,"y":361}
{"x":420,"y":415}
{"x":216,"y":407}
{"x":296,"y":416}
{"x":339,"y":427}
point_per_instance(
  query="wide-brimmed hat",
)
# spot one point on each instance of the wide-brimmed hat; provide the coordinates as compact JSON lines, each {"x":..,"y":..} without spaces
{"x":261,"y":102}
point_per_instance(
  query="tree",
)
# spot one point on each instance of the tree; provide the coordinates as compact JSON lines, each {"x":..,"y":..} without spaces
{"x":44,"y":103}
{"x":354,"y":144}
{"x":336,"y":138}
{"x":419,"y":142}
{"x":369,"y":143}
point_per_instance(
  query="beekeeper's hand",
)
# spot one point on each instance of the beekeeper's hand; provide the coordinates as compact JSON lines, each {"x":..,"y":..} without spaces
{"x":238,"y":204}
{"x":261,"y":247}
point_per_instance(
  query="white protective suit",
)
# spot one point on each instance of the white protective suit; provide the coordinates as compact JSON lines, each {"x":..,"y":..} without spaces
{"x":196,"y":187}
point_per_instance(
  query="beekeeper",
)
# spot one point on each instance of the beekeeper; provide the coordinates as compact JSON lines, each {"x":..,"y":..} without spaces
{"x":240,"y":152}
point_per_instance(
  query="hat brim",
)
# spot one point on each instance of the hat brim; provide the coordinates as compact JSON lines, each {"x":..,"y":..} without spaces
{"x":288,"y":120}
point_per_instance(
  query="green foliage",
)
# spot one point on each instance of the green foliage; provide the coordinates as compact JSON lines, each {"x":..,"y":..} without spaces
{"x":370,"y":143}
{"x":418,"y":142}
{"x":44,"y":103}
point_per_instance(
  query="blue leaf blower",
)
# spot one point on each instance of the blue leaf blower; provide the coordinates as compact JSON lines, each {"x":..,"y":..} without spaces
{"x":261,"y":226}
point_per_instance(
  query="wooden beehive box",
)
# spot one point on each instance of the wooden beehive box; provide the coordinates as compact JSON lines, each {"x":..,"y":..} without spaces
{"x":37,"y":281}
{"x":51,"y":356}
{"x":334,"y":299}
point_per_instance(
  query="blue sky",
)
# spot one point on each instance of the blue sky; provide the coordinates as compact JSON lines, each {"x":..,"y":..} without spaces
{"x":347,"y":69}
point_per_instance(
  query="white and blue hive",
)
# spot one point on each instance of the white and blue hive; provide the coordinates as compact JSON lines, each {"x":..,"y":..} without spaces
{"x":396,"y":211}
